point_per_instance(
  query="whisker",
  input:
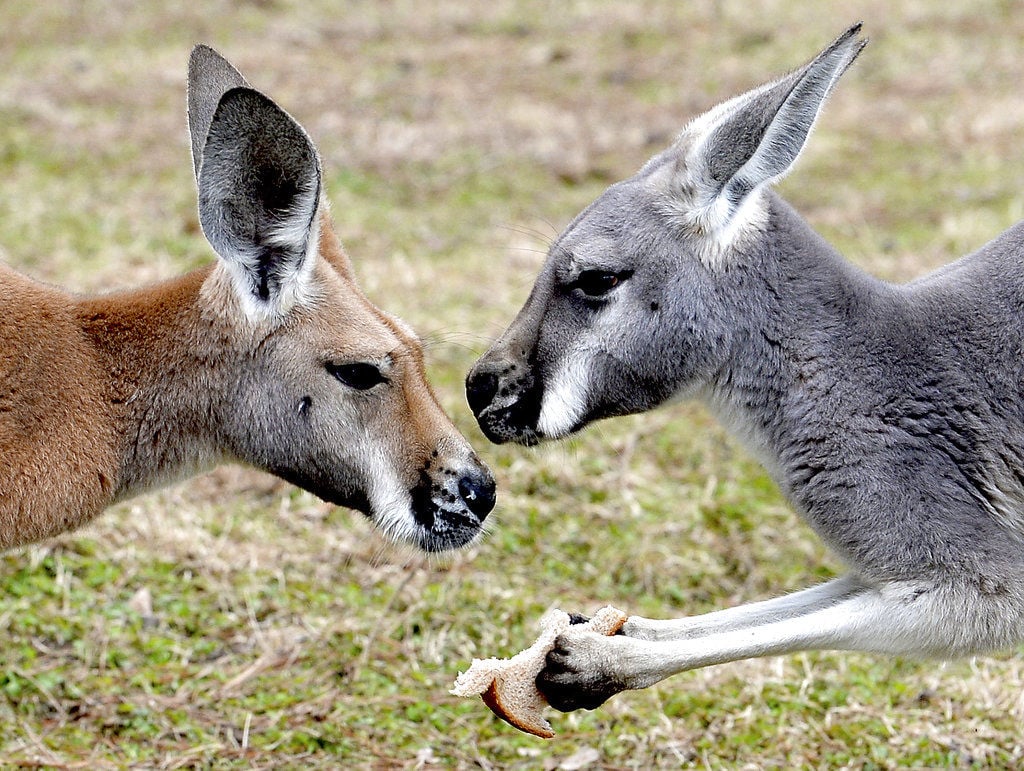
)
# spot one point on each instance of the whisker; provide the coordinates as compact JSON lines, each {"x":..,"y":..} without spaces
{"x":526,"y":249}
{"x":454,"y":338}
{"x":528,"y":231}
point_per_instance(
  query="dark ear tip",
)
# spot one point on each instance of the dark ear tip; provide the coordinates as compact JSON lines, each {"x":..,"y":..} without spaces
{"x":854,"y":31}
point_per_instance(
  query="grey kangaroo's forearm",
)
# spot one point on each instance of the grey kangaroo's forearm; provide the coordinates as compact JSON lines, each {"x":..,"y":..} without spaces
{"x":641,"y":663}
{"x":896,"y":620}
{"x":743,"y":616}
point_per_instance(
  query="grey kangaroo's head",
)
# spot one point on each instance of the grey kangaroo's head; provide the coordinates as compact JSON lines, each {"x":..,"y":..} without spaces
{"x":629,"y":308}
{"x":313,"y":382}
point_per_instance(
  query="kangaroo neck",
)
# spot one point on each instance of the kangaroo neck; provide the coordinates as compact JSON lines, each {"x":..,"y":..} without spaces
{"x":159,"y":364}
{"x":799,"y":302}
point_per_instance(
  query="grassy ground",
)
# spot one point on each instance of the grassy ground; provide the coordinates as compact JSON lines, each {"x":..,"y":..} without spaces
{"x":232,"y":621}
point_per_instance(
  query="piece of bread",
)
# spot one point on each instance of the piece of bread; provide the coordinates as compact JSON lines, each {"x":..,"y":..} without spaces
{"x":508,"y":686}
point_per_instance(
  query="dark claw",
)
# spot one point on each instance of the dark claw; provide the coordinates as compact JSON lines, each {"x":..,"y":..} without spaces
{"x":579,"y":618}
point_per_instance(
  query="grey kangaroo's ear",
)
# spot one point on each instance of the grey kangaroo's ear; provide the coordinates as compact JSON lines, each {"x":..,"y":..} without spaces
{"x":210,"y":76}
{"x":754,"y":139}
{"x":259,"y":194}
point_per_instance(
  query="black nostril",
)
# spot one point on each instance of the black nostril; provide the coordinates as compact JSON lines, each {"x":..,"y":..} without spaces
{"x":480,"y":390}
{"x":478,"y":492}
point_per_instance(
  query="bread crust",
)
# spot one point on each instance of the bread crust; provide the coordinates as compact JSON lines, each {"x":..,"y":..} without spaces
{"x":538,"y":726}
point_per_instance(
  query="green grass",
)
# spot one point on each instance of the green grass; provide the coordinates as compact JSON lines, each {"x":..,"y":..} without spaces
{"x":233,"y":622}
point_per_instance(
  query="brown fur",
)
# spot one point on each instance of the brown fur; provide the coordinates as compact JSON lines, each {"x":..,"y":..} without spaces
{"x":102,"y":397}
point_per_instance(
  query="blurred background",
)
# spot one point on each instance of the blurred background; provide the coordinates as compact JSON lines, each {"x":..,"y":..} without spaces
{"x":233,"y":621}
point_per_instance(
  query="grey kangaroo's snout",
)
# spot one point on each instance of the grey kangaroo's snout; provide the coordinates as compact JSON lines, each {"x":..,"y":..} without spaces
{"x":505,"y":398}
{"x":505,"y":388}
{"x":481,"y":388}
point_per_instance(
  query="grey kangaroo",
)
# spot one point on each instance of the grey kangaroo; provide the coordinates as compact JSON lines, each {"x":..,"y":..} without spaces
{"x":891,"y":416}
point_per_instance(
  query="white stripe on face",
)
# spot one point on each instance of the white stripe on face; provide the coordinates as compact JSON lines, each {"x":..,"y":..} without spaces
{"x":564,"y":397}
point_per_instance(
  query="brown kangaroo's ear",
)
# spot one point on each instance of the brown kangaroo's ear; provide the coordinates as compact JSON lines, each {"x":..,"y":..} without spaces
{"x":259,"y":194}
{"x":210,"y":76}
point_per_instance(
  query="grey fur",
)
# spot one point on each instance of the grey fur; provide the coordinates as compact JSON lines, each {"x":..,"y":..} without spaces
{"x":210,"y":76}
{"x":890,"y":416}
{"x":259,"y":188}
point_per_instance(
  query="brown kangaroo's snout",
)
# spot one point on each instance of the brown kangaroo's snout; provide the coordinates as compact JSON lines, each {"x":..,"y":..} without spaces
{"x":272,"y":357}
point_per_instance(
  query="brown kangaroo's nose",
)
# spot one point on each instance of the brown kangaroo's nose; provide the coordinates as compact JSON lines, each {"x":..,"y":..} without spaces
{"x":478,"y":493}
{"x":481,"y":388}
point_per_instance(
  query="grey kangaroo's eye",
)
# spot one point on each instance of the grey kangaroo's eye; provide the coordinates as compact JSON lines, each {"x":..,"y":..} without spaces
{"x":358,"y":375}
{"x":595,"y":283}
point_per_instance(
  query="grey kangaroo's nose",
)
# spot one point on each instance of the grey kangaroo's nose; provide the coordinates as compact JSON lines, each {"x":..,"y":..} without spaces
{"x":478,"y":492}
{"x":481,"y":388}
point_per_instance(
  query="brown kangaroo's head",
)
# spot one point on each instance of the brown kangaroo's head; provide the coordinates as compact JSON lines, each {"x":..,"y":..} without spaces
{"x":325,"y":390}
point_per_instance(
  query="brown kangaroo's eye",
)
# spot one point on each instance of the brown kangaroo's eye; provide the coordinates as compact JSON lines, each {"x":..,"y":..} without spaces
{"x":594,"y":283}
{"x":358,"y":375}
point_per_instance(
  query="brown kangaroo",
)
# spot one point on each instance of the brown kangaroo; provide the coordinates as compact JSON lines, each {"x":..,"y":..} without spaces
{"x":272,"y":357}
